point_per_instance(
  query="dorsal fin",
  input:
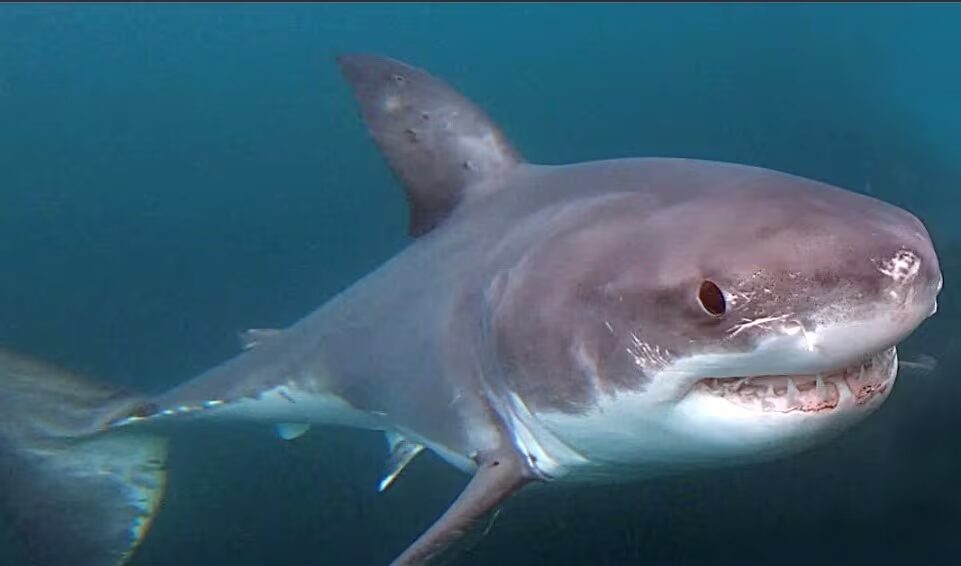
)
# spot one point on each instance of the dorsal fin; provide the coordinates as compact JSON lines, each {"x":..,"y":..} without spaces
{"x":438,"y":144}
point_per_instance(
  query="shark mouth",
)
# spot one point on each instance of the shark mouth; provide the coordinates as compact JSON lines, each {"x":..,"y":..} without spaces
{"x":862,"y":382}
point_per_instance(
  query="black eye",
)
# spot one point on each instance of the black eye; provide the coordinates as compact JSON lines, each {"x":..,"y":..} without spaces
{"x":712,"y":298}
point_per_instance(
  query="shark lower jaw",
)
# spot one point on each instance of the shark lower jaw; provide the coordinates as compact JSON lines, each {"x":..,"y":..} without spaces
{"x":855,"y":385}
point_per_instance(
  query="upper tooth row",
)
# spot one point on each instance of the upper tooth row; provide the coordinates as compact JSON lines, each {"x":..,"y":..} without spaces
{"x":792,"y":388}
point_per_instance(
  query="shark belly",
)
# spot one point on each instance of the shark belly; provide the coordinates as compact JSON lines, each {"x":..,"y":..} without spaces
{"x":288,"y":403}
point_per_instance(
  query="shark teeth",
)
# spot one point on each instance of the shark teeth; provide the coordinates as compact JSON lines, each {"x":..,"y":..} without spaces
{"x":809,"y":393}
{"x":820,"y":387}
{"x":792,"y":391}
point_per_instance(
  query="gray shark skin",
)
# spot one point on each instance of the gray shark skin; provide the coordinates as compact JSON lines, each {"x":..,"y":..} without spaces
{"x":609,"y":320}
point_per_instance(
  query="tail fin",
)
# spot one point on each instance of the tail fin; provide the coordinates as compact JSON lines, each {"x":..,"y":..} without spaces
{"x":75,"y":495}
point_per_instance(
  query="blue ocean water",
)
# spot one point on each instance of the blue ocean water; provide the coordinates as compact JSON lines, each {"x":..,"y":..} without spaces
{"x":172,"y":174}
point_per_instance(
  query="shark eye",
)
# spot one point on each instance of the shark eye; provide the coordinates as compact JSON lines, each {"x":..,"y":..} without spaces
{"x":711,"y":298}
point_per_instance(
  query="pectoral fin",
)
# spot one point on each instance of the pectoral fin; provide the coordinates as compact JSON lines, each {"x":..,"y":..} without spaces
{"x":499,"y":475}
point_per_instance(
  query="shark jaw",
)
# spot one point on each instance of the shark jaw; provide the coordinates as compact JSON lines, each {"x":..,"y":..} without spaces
{"x":734,"y":421}
{"x":692,"y":420}
{"x":856,"y":384}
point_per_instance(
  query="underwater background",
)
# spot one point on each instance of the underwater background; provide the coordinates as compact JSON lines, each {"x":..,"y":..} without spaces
{"x":173,"y":174}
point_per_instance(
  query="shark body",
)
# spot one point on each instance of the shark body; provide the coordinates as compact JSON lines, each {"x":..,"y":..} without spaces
{"x":614,"y":319}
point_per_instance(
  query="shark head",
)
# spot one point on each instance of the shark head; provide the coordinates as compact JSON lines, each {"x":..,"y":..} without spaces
{"x":722,"y":313}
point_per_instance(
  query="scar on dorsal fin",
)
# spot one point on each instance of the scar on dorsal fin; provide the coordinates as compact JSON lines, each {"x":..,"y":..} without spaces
{"x":400,"y":453}
{"x":438,"y":144}
{"x":255,"y":336}
{"x":499,"y":475}
{"x":291,"y":431}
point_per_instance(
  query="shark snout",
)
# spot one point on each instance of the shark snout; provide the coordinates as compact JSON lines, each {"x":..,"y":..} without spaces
{"x":909,"y":271}
{"x":908,"y":279}
{"x":899,"y":294}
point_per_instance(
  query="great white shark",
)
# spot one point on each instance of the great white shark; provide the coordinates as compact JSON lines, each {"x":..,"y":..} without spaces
{"x":608,"y":320}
